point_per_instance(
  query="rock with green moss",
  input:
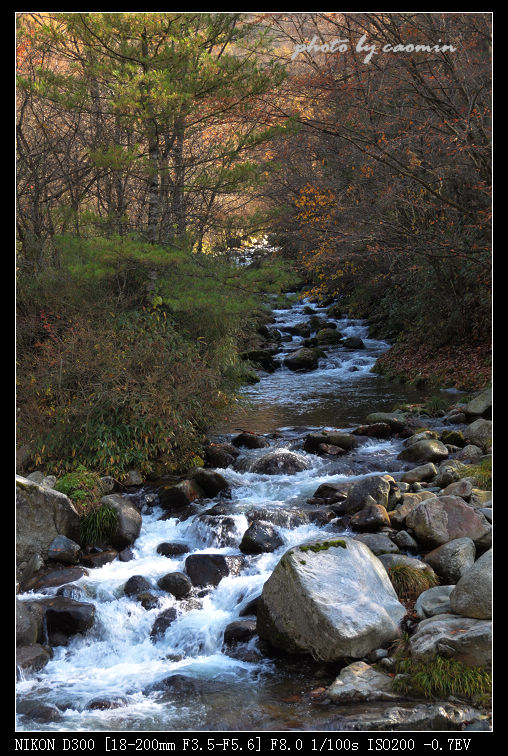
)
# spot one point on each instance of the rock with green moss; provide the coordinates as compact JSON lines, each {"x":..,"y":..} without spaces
{"x":331,"y":599}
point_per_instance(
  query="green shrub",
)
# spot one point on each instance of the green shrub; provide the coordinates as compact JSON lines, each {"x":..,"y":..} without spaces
{"x":80,"y":485}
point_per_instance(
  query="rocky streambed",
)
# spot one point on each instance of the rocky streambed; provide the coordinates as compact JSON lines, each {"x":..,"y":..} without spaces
{"x":255,"y":593}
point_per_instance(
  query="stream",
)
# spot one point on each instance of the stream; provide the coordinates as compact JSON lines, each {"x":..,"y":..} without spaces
{"x":212,"y":687}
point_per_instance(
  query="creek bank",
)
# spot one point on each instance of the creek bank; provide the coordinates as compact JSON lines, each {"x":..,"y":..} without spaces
{"x":375,"y":512}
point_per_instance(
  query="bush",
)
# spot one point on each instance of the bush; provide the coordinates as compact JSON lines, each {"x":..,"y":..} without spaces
{"x":129,"y":352}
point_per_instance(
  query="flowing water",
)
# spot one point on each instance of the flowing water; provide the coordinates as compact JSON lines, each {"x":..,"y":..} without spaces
{"x":213,"y":688}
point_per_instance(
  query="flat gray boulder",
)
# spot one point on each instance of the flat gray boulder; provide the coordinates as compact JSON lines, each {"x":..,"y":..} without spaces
{"x":361,"y":682}
{"x":331,"y":599}
{"x":462,"y":638}
{"x":434,"y":601}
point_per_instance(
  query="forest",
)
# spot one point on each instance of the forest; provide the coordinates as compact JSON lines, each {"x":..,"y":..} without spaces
{"x":152,"y":146}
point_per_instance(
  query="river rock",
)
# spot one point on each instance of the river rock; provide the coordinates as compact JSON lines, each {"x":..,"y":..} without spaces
{"x":462,"y":488}
{"x":480,"y":405}
{"x":261,"y":357}
{"x":162,"y":622}
{"x":284,"y":518}
{"x":328,"y":336}
{"x":280,"y":462}
{"x":220,"y":455}
{"x":435,"y":600}
{"x":385,"y":716}
{"x":250,"y":441}
{"x":260,"y":537}
{"x":206,"y":569}
{"x":353,"y":342}
{"x":429,"y":450}
{"x":441,"y":519}
{"x":67,"y":616}
{"x":374,"y":430}
{"x":472,"y":596}
{"x":451,"y":560}
{"x":405,"y":542}
{"x":377,"y":487}
{"x":29,"y":623}
{"x":303,"y":360}
{"x":378,"y":543}
{"x":421,"y":473}
{"x":171,"y":549}
{"x":176,"y":583}
{"x":132,"y":478}
{"x":129,"y":520}
{"x":136,"y":584}
{"x":371,"y":518}
{"x":462,"y":638}
{"x":210,"y":481}
{"x":396,"y":420}
{"x":453,"y":438}
{"x":394,"y":560}
{"x":63,"y":549}
{"x":179,"y":495}
{"x":345,"y":441}
{"x":54,"y":578}
{"x":99,"y":559}
{"x":31,"y":658}
{"x":239,"y":631}
{"x":361,"y":682}
{"x":448,"y":472}
{"x":479,"y":433}
{"x":332,"y":602}
{"x":42,"y":514}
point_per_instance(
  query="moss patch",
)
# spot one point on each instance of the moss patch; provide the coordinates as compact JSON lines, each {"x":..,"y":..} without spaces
{"x":323,"y":546}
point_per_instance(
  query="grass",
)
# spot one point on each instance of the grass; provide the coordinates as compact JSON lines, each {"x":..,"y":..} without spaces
{"x":482,"y":473}
{"x":441,"y":678}
{"x":98,"y":525}
{"x":409,"y":582}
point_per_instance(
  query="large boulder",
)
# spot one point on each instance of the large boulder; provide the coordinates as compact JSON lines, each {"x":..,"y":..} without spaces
{"x":396,"y":420}
{"x":177,"y":496}
{"x":344,"y":441}
{"x":303,"y":360}
{"x":250,"y":441}
{"x":426,"y":450}
{"x":408,"y":502}
{"x":421,"y":473}
{"x":479,"y":433}
{"x":260,"y":537}
{"x":472,"y":596}
{"x":42,"y":514}
{"x":439,"y":520}
{"x":481,"y":404}
{"x":461,"y":638}
{"x":330,"y":599}
{"x":374,"y":487}
{"x":206,"y":569}
{"x":210,"y":481}
{"x":361,"y":682}
{"x":280,"y":462}
{"x":220,"y":455}
{"x":451,"y":560}
{"x":66,"y":616}
{"x":129,"y":520}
